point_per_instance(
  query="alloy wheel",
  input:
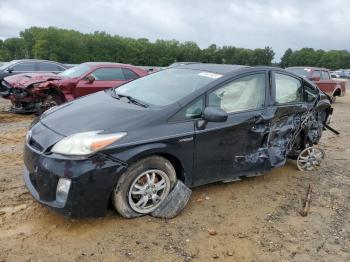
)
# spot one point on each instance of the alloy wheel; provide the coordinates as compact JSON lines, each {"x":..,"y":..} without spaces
{"x":148,"y":190}
{"x":310,"y":158}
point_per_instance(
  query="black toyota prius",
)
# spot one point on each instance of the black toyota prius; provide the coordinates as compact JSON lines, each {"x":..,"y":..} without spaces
{"x":195,"y":123}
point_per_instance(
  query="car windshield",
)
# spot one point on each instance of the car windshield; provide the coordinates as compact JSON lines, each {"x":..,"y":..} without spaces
{"x":299,"y":71}
{"x":7,"y":64}
{"x":76,"y":71}
{"x":167,"y":86}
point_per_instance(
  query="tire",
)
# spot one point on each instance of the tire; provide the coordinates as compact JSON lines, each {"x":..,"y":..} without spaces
{"x":126,"y":203}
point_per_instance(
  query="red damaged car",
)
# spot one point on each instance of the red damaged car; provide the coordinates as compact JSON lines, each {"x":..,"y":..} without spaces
{"x":38,"y":92}
{"x":322,"y":78}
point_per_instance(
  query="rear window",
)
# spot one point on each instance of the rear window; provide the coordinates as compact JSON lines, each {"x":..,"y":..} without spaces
{"x":49,"y":67}
{"x":325,"y":75}
{"x":129,"y":75}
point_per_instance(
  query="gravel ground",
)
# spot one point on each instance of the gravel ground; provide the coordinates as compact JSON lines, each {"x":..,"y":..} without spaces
{"x":256,"y":219}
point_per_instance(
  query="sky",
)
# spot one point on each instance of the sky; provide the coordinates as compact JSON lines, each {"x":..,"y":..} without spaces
{"x":320,"y":24}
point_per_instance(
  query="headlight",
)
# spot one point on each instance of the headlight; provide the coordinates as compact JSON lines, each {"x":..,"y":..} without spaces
{"x":86,"y":143}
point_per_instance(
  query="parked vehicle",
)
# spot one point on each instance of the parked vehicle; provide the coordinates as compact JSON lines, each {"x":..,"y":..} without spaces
{"x":38,"y":92}
{"x":341,"y":73}
{"x":334,"y":74}
{"x":198,"y":123}
{"x":28,"y":66}
{"x":321,"y":77}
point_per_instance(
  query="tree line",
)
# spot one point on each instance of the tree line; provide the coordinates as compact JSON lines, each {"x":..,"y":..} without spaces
{"x":333,"y":59}
{"x":73,"y":47}
{"x":69,"y":46}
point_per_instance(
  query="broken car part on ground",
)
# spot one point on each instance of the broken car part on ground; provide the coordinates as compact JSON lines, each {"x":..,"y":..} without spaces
{"x":195,"y":123}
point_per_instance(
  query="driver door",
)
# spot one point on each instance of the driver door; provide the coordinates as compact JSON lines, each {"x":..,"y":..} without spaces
{"x":104,"y":78}
{"x":232,"y":148}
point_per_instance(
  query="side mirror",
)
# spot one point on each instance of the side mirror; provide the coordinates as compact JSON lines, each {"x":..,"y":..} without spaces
{"x":10,"y":70}
{"x":322,"y":105}
{"x":90,"y":78}
{"x":214,"y":114}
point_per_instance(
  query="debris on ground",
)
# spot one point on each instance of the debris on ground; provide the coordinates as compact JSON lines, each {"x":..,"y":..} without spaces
{"x":212,"y":232}
{"x":306,"y":208}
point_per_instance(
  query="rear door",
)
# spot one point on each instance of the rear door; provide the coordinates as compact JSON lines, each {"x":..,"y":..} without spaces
{"x":105,"y":77}
{"x":289,"y":110}
{"x":232,"y":148}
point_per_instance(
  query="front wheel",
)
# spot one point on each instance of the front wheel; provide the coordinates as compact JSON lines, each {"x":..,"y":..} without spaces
{"x":51,"y":100}
{"x":144,"y":186}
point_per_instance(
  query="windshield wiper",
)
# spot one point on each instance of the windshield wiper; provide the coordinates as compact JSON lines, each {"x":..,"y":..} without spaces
{"x":130,"y":99}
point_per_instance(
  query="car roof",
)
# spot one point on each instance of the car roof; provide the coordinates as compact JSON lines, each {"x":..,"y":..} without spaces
{"x":111,"y":64}
{"x":34,"y":60}
{"x":308,"y":67}
{"x":215,"y":68}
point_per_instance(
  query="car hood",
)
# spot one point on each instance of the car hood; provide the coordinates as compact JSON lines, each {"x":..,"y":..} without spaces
{"x":25,"y":80}
{"x":99,"y":111}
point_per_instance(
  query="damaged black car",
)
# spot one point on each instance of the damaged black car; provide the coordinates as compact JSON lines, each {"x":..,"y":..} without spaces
{"x":140,"y":146}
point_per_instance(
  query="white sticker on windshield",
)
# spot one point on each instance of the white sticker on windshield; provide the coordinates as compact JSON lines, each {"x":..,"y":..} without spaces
{"x":210,"y":75}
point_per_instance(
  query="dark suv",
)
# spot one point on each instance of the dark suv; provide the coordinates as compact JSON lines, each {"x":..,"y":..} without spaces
{"x":29,"y":66}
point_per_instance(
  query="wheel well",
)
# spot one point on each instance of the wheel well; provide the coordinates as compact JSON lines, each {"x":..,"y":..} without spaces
{"x":53,"y":90}
{"x":337,"y":92}
{"x":176,"y":164}
{"x":180,"y":173}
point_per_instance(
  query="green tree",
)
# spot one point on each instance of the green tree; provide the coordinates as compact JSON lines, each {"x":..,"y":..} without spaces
{"x":70,"y":46}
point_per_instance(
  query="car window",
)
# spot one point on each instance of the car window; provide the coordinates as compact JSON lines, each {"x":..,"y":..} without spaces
{"x":288,"y":89}
{"x":325,"y":75}
{"x":310,"y":92}
{"x":300,"y":71}
{"x":192,"y":111}
{"x":108,"y":74}
{"x":25,"y":66}
{"x":316,"y":74}
{"x":241,"y":94}
{"x":195,"y":109}
{"x":8,"y":64}
{"x":129,"y":75}
{"x":49,"y":67}
{"x":76,"y":71}
{"x":167,"y":86}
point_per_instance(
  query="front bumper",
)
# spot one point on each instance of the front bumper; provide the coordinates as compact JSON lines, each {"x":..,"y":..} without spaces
{"x":4,"y":89}
{"x":93,"y":180}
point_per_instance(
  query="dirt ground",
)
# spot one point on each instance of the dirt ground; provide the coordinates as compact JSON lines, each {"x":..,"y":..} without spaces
{"x":256,"y":219}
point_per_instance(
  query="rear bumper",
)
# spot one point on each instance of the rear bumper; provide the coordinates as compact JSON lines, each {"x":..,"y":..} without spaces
{"x":92,"y":182}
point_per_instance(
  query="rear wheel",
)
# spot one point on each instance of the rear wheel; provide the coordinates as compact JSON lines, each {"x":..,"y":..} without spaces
{"x":144,"y":186}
